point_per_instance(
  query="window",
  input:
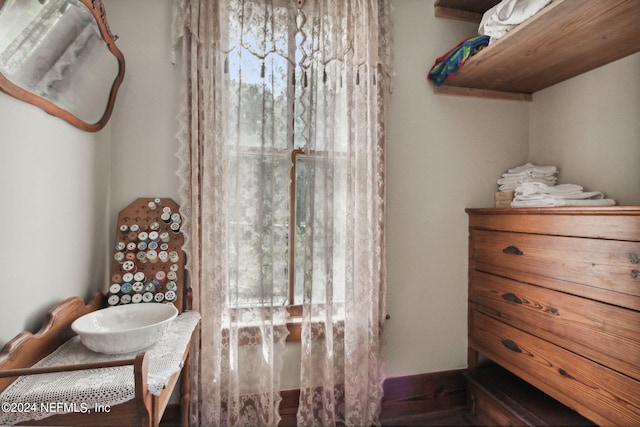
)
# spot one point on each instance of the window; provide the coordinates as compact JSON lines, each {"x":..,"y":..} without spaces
{"x":281,"y":166}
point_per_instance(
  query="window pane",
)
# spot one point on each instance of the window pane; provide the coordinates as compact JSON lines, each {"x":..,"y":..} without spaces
{"x":258,"y":75}
{"x":259,"y":213}
{"x":321,"y":186}
{"x":274,"y":72}
{"x":257,"y":112}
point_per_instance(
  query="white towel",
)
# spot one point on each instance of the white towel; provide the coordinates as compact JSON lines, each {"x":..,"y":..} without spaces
{"x":537,"y":190}
{"x":562,"y":202}
{"x":511,"y":185}
{"x":588,"y":202}
{"x":536,"y":194}
{"x":543,"y":203}
{"x":527,"y":173}
{"x":529,"y":167}
{"x":527,"y":188}
{"x":507,"y":14}
{"x":549,"y":180}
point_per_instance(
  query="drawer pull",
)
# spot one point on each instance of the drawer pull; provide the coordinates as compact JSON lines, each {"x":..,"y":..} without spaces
{"x":512,"y":250}
{"x":565,"y":374}
{"x":553,"y":311}
{"x":511,"y":298}
{"x":634,"y":274}
{"x":634,"y":258}
{"x":511,"y":345}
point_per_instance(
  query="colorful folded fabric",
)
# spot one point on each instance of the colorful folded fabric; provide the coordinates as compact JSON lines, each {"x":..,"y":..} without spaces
{"x":449,"y":63}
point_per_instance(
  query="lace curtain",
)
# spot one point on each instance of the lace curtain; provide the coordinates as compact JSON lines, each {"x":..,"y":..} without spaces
{"x":281,"y":150}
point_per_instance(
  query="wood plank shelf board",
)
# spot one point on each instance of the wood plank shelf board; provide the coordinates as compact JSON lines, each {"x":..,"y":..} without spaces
{"x":463,"y":10}
{"x":565,"y":39}
{"x":481,"y":93}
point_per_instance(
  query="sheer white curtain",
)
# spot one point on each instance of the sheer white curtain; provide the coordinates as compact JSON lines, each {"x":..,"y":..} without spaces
{"x":282,"y":169}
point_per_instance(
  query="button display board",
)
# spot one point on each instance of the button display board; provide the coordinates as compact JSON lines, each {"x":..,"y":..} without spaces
{"x":148,"y":260}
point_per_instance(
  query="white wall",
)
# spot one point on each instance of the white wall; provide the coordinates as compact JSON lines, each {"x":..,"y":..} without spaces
{"x":54,"y":183}
{"x":143,"y":137}
{"x":589,"y":126}
{"x":444,"y":154}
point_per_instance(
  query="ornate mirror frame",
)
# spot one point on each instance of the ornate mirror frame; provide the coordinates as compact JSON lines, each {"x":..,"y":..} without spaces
{"x":98,"y":12}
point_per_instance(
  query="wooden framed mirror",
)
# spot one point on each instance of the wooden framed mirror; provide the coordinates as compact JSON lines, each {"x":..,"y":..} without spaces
{"x":60,"y":55}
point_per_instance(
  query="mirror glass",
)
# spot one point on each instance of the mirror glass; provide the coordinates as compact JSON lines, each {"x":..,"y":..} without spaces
{"x":60,"y":56}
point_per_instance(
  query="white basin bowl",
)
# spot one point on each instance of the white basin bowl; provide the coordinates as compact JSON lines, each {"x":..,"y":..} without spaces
{"x":124,"y":328}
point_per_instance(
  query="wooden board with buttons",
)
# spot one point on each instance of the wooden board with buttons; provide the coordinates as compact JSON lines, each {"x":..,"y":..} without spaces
{"x":148,"y":260}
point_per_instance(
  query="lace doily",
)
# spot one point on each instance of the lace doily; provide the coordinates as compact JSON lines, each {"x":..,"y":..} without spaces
{"x":29,"y":397}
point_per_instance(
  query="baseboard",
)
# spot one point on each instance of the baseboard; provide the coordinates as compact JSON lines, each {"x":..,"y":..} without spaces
{"x":289,"y":407}
{"x":422,"y":394}
{"x":404,"y":397}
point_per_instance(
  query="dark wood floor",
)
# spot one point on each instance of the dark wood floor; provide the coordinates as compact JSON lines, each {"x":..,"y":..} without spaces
{"x":456,"y":417}
{"x":450,"y":418}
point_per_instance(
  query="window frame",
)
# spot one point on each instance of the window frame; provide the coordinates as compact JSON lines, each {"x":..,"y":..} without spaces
{"x":294,"y":324}
{"x":294,"y":310}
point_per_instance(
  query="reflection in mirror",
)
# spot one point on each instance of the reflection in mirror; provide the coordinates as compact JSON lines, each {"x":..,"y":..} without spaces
{"x":60,"y":55}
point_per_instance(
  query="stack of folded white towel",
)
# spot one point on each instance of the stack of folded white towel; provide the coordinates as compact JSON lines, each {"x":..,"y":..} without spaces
{"x":527,"y":173}
{"x":535,"y":186}
{"x":537,"y":194}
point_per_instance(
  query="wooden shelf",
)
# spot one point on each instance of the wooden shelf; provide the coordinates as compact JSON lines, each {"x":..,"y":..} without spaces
{"x":463,"y":10}
{"x":565,"y":39}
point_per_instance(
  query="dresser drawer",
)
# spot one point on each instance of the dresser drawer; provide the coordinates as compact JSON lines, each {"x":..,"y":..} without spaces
{"x":600,"y":394}
{"x":486,"y":410}
{"x":601,"y":332}
{"x":499,"y":398}
{"x":610,"y":222}
{"x":605,"y":270}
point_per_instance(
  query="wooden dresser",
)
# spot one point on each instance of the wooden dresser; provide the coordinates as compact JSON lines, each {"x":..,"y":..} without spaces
{"x":554,"y":297}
